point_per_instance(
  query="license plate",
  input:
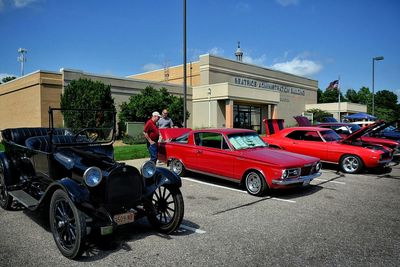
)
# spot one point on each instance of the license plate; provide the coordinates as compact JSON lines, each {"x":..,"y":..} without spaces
{"x":124,"y":218}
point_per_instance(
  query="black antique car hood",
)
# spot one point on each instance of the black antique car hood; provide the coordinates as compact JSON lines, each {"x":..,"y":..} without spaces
{"x":84,"y":157}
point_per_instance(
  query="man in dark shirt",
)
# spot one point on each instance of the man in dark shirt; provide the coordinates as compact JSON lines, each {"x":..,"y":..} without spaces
{"x":151,"y":134}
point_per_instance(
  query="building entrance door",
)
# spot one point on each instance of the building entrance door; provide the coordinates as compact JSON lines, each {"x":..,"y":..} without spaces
{"x":247,"y":117}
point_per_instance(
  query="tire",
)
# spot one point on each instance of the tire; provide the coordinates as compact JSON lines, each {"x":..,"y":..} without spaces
{"x":5,"y":199}
{"x":67,"y":224}
{"x":351,"y":164}
{"x":177,"y":167}
{"x":165,"y":209}
{"x":255,"y":183}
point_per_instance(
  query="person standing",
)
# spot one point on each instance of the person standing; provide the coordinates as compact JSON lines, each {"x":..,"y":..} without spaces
{"x":152,"y":135}
{"x":165,"y":121}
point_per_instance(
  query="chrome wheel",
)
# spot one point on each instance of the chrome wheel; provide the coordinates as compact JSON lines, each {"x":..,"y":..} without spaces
{"x":255,"y":183}
{"x":177,"y":167}
{"x":351,"y":164}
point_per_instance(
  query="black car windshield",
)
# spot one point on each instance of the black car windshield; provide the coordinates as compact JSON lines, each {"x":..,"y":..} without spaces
{"x":245,"y":140}
{"x":82,"y":126}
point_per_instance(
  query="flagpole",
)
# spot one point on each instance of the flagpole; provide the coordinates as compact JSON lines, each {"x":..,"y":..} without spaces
{"x":339,"y":97}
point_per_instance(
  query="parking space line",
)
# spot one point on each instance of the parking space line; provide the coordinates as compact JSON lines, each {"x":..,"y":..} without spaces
{"x":197,"y":231}
{"x":233,"y":189}
{"x":329,"y":181}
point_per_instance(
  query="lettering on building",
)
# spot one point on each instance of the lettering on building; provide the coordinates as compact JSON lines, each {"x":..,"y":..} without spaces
{"x":268,"y":85}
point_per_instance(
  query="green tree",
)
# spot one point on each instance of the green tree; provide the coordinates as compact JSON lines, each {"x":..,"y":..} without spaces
{"x":352,"y":96}
{"x":319,"y":95}
{"x":86,"y":94}
{"x":140,"y":106}
{"x":386,"y":99}
{"x":318,"y":114}
{"x":332,"y":96}
{"x":7,"y":79}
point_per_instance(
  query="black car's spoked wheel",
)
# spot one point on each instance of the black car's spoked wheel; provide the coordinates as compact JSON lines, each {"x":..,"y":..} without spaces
{"x":5,"y":198}
{"x":67,"y":224}
{"x":166,"y":208}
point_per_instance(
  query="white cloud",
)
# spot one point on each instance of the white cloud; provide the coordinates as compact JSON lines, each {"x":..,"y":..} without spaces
{"x":216,"y":51}
{"x":286,"y":3}
{"x":260,"y":61}
{"x":298,"y":66}
{"x":23,"y":3}
{"x":152,"y":66}
{"x":242,"y":7}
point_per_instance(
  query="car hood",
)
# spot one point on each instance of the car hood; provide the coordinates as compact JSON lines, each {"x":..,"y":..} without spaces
{"x":277,"y":157}
{"x":363,"y":131}
{"x":172,"y":133}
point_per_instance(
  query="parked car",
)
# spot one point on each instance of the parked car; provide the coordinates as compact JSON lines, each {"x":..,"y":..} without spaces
{"x":387,"y":131}
{"x":237,"y":155}
{"x":368,"y":136}
{"x":352,"y":154}
{"x":71,"y":173}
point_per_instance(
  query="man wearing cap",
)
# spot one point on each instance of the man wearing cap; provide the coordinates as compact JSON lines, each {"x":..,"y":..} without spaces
{"x":151,"y":134}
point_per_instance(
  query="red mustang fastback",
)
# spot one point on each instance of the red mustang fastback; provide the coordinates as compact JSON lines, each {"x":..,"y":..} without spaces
{"x":237,"y":155}
{"x":351,"y":153}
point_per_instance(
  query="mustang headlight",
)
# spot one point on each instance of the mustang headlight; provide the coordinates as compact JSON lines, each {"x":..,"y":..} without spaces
{"x":92,"y":176}
{"x":285,"y":174}
{"x":148,"y":169}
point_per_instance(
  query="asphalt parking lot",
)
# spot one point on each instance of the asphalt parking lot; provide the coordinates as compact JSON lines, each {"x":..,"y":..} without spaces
{"x":341,"y":219}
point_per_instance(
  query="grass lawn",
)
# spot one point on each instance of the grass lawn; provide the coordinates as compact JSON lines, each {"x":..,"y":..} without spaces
{"x":131,"y":152}
{"x":123,"y":152}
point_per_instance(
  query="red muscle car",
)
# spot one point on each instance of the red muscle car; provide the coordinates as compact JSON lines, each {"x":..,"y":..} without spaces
{"x":237,"y":155}
{"x":345,"y":129}
{"x":351,"y":153}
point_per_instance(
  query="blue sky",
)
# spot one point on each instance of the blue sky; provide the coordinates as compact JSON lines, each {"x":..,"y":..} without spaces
{"x":318,"y":39}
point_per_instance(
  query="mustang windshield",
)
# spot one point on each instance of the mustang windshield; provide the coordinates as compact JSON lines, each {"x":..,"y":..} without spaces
{"x":246,"y":140}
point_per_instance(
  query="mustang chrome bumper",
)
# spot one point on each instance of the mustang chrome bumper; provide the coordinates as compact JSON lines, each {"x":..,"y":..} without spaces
{"x":303,"y":179}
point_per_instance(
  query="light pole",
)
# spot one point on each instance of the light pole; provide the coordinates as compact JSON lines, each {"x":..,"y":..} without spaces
{"x":209,"y":107}
{"x":184,"y":65}
{"x":373,"y":82}
{"x":22,"y":58}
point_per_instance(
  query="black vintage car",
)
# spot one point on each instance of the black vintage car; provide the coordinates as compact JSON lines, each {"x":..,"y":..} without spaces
{"x":71,"y":172}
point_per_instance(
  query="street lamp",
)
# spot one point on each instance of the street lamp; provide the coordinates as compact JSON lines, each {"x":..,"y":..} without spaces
{"x":373,"y":82}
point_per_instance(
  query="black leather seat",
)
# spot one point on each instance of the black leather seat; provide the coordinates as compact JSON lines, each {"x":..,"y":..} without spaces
{"x":42,"y":143}
{"x":19,"y":135}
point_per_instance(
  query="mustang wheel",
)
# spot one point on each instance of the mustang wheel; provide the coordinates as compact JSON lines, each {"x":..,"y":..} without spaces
{"x":351,"y":164}
{"x":67,"y":224}
{"x":255,"y":183}
{"x":177,"y":167}
{"x":165,"y":212}
{"x":5,"y":199}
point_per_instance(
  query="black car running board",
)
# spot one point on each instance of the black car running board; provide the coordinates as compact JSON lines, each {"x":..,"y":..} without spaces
{"x":24,"y":198}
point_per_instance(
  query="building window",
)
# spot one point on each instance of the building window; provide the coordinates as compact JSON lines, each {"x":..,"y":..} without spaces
{"x":247,"y":117}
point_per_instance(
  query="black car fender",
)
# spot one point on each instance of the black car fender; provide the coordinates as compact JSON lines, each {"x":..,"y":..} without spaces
{"x":7,"y":169}
{"x":167,"y":177}
{"x":79,"y":194}
{"x":162,"y":177}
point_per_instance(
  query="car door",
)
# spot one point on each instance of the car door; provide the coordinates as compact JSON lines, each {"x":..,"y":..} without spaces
{"x":307,"y":142}
{"x":213,"y":154}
